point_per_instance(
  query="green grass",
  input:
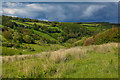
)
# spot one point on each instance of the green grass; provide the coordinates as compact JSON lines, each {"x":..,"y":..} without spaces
{"x":10,"y":51}
{"x":93,"y":28}
{"x":20,"y":23}
{"x":16,"y":51}
{"x":1,"y":26}
{"x":55,"y":35}
{"x":90,"y":25}
{"x":44,"y":35}
{"x":95,"y":61}
{"x":97,"y":65}
{"x":51,"y":47}
{"x":41,"y":24}
{"x":97,"y":27}
{"x":80,"y":42}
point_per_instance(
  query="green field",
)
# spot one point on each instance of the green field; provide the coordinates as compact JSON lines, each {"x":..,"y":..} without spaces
{"x":44,"y":35}
{"x":20,"y":23}
{"x":100,"y":61}
{"x":90,"y":25}
{"x":41,"y":24}
{"x":37,"y":48}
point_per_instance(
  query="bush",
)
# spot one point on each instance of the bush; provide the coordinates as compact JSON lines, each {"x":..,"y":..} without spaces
{"x":16,"y":45}
{"x":80,"y":42}
{"x":20,"y":53}
{"x":7,"y":35}
{"x":33,"y":49}
{"x":68,"y":57}
{"x":53,"y":30}
{"x":72,"y":40}
{"x":88,"y":41}
{"x":26,"y":32}
{"x":27,"y":39}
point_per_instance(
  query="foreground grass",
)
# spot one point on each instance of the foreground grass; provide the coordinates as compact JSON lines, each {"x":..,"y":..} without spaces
{"x":96,"y":61}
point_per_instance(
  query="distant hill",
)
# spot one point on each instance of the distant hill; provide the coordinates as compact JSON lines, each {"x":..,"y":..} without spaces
{"x":110,"y":35}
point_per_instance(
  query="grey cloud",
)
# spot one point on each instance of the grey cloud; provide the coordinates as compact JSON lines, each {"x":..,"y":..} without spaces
{"x":68,"y":12}
{"x":61,"y":0}
{"x":92,"y":9}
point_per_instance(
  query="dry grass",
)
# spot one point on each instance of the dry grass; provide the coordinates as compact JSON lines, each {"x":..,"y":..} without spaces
{"x":62,"y":54}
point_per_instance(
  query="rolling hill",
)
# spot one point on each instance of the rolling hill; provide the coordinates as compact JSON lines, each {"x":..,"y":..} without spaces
{"x":44,"y":49}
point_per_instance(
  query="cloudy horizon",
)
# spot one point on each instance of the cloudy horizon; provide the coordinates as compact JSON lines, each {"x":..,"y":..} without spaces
{"x":64,"y":11}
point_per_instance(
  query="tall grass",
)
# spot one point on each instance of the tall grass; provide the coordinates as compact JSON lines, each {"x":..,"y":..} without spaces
{"x":95,"y":61}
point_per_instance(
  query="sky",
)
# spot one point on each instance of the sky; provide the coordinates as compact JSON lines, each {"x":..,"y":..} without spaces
{"x":64,"y":11}
{"x":60,"y":0}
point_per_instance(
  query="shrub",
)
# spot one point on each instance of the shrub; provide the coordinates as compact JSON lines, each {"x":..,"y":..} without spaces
{"x":53,"y":30}
{"x":80,"y":42}
{"x":88,"y":41}
{"x":16,"y":45}
{"x":27,"y":39}
{"x":20,"y":53}
{"x":36,"y":37}
{"x":7,"y":35}
{"x":68,"y":57}
{"x":26,"y":32}
{"x":5,"y":28}
{"x":72,"y":40}
{"x":33,"y":49}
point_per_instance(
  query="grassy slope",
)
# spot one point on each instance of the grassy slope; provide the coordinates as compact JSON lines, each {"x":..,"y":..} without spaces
{"x":17,"y":22}
{"x":95,"y":61}
{"x":38,"y":49}
{"x":44,"y":35}
{"x":110,"y":35}
{"x":29,"y":23}
{"x":41,"y":24}
{"x":96,"y":28}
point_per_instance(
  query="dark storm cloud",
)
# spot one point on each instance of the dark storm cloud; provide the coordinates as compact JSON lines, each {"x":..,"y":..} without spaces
{"x":65,"y":12}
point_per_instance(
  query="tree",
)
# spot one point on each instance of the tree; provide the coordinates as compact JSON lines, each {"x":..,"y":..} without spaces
{"x":4,"y":29}
{"x":10,"y":24}
{"x":17,"y":37}
{"x":42,"y":28}
{"x":27,"y":39}
{"x":26,"y":32}
{"x":36,"y":37}
{"x":7,"y":35}
{"x":36,"y":27}
{"x":19,"y":29}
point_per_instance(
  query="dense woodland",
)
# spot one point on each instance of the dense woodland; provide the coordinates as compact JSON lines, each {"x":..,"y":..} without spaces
{"x":18,"y":32}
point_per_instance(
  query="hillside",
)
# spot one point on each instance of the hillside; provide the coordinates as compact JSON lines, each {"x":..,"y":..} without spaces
{"x":110,"y":35}
{"x":19,"y":35}
{"x":42,"y":49}
{"x":95,"y":61}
